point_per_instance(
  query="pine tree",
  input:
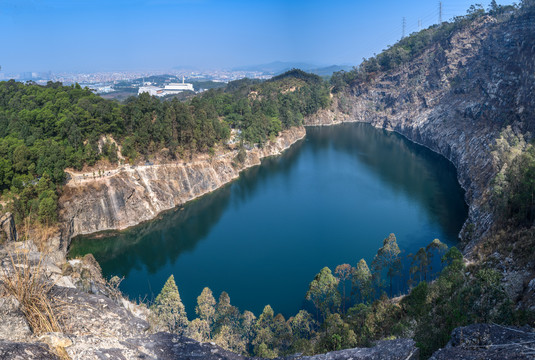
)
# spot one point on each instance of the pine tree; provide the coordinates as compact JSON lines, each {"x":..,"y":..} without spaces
{"x":264,"y":340}
{"x":387,"y":258}
{"x":199,"y":330}
{"x":169,"y":312}
{"x":206,"y":306}
{"x":323,"y":292}
{"x":343,"y":272}
{"x":362,"y":281}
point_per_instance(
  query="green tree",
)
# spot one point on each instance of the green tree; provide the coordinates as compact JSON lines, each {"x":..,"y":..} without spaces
{"x":435,"y":246}
{"x":343,"y":272}
{"x":6,"y":173}
{"x":199,"y":329}
{"x":419,"y":264}
{"x":302,"y":325}
{"x":335,"y":335}
{"x":248,"y":321}
{"x":362,"y":281}
{"x":170,"y":314}
{"x":48,"y":213}
{"x":225,"y":313}
{"x":323,"y":292}
{"x":282,"y":333}
{"x":387,"y":258}
{"x":263,"y":351}
{"x":205,"y":308}
{"x":264,"y":339}
{"x":228,"y":339}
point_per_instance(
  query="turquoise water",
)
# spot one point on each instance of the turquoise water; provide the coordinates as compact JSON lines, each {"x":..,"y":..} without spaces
{"x":330,"y":199}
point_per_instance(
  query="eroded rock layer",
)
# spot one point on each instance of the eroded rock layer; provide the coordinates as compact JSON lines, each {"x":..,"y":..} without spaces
{"x":139,"y":193}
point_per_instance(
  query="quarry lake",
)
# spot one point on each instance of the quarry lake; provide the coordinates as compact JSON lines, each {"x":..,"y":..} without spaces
{"x":330,"y":199}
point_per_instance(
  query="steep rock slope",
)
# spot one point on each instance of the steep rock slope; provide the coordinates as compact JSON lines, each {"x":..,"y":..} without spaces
{"x":489,"y":342}
{"x":137,"y":194}
{"x":457,"y":98}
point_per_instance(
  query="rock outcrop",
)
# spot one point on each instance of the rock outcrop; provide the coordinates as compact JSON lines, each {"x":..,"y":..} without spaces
{"x":7,"y":227}
{"x":402,"y":349}
{"x":139,"y":193}
{"x":489,"y":342}
{"x":457,"y":98}
{"x":22,"y":351}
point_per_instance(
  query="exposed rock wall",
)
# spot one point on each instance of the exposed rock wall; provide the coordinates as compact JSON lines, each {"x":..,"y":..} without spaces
{"x":489,"y":342}
{"x":7,"y":227}
{"x":456,"y":99}
{"x":137,"y":194}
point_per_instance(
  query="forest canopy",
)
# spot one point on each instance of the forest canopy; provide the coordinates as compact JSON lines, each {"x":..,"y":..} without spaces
{"x":46,"y":129}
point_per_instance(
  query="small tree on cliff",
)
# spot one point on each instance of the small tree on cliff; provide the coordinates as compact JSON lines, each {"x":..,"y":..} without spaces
{"x":435,"y":247}
{"x":343,"y":272}
{"x":362,"y":282}
{"x":168,"y":310}
{"x":206,"y":306}
{"x":323,"y":292}
{"x":265,"y":338}
{"x":387,"y":258}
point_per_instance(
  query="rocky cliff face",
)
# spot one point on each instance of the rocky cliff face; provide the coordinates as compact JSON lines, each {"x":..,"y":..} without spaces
{"x":8,"y":231}
{"x":490,"y":342}
{"x":457,"y":99}
{"x":137,"y":194}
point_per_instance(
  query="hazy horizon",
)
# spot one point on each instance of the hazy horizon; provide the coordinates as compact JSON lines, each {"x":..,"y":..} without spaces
{"x":159,"y":35}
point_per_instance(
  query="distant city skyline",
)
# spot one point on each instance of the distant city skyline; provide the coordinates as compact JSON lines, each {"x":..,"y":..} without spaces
{"x":150,"y":35}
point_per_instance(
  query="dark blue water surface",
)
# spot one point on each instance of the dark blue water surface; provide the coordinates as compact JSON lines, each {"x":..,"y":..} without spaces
{"x":330,"y":199}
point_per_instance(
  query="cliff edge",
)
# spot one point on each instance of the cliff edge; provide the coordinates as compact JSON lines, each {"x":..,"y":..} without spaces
{"x":135,"y":194}
{"x":469,"y":98}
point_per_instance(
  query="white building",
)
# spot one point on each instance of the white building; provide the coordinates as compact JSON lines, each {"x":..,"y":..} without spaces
{"x":169,"y":89}
{"x":151,"y":90}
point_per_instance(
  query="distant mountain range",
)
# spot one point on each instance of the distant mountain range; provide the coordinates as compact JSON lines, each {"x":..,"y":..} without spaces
{"x":279,"y":67}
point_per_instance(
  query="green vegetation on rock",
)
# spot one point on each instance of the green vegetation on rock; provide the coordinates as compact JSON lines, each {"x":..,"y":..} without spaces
{"x":435,"y":303}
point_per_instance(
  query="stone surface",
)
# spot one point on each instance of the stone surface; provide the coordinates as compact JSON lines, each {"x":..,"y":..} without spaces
{"x":55,"y":340}
{"x":25,"y":351}
{"x":13,"y":324}
{"x":84,"y":314}
{"x":400,"y":349}
{"x":7,"y":226}
{"x":489,"y":342}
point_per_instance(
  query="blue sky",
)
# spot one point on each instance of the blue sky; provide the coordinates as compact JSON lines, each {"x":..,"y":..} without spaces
{"x":97,"y":35}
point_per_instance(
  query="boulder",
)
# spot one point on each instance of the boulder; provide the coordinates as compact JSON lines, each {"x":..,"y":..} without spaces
{"x":7,"y":226}
{"x":489,"y":342}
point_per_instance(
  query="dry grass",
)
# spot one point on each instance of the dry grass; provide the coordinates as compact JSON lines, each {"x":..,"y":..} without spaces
{"x":27,"y":283}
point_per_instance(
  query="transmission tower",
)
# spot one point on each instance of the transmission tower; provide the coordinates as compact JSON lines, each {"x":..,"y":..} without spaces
{"x":404,"y":24}
{"x":440,"y":12}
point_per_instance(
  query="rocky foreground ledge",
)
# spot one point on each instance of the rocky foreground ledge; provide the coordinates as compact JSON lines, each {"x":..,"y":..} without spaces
{"x":98,"y":323}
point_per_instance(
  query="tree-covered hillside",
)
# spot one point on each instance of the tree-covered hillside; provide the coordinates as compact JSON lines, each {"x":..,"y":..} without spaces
{"x":46,"y":129}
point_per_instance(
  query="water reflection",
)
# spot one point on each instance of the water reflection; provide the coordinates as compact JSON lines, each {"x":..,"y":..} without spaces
{"x":329,"y":199}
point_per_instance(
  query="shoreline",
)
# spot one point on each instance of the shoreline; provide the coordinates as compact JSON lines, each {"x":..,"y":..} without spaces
{"x":115,"y":210}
